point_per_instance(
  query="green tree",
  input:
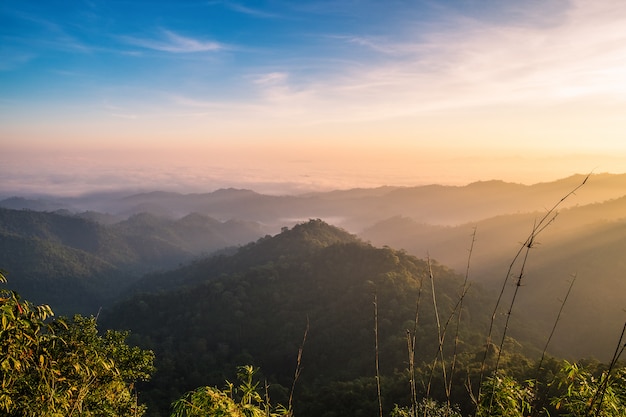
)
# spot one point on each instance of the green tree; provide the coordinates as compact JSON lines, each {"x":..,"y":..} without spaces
{"x":64,"y":367}
{"x":243,"y":400}
{"x":427,"y":407}
{"x":503,"y":396}
{"x":582,"y":393}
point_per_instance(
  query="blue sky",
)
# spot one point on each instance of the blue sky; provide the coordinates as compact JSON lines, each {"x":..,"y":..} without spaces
{"x":214,"y":49}
{"x":354,"y":86}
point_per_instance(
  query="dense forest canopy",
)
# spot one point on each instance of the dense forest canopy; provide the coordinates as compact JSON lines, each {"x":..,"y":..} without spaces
{"x":224,"y":300}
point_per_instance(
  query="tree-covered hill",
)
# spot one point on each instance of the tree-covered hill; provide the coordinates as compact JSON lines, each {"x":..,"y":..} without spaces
{"x":77,"y":265}
{"x":73,"y":280}
{"x":253,"y":307}
{"x":586,"y":241}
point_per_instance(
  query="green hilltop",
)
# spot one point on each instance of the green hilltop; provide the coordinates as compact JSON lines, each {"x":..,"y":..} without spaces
{"x":253,"y":307}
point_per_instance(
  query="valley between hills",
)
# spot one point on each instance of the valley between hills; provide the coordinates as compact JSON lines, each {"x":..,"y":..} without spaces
{"x":212,"y":281}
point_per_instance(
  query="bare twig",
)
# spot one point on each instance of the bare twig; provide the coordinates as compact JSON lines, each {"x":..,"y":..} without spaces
{"x":298,"y":370}
{"x":411,"y":350}
{"x":411,"y":341}
{"x":556,"y":322}
{"x":539,"y":227}
{"x":267,"y":400}
{"x":440,"y":334}
{"x":599,"y":395}
{"x":545,"y":348}
{"x":380,"y":400}
{"x":458,"y":320}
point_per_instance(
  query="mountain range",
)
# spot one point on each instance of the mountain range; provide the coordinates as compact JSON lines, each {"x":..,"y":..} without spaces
{"x":90,"y":249}
{"x":211,"y":281}
{"x":77,"y":265}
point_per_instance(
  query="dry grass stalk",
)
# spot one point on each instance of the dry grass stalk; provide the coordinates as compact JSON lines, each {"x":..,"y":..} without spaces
{"x":440,"y":334}
{"x":458,"y":320}
{"x":380,"y":400}
{"x":598,"y":398}
{"x":539,"y":227}
{"x":545,"y":348}
{"x":556,"y":322}
{"x":411,"y":341}
{"x":298,"y":370}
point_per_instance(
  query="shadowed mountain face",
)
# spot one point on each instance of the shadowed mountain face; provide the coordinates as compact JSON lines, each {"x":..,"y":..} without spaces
{"x":77,"y":265}
{"x":253,"y":307}
{"x":111,"y":250}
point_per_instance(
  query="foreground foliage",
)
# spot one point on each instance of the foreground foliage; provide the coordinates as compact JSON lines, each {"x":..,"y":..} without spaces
{"x":243,"y":400}
{"x":574,"y":391}
{"x":204,"y":319}
{"x":64,"y":367}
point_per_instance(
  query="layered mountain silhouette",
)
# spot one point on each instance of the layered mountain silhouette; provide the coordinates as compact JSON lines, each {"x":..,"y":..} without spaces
{"x":94,"y":247}
{"x":211,"y":281}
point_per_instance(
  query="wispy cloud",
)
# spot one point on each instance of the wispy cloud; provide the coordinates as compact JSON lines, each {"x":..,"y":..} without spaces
{"x":271,"y":78}
{"x":582,"y":54}
{"x":476,"y":65}
{"x":48,"y":34}
{"x":11,"y":59}
{"x":173,"y":42}
{"x":240,"y":8}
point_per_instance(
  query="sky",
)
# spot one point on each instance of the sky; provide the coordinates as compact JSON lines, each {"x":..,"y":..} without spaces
{"x":292,"y":96}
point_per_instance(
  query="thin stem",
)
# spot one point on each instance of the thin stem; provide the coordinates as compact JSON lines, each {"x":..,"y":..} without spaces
{"x":518,"y":284}
{"x":298,"y":366}
{"x":458,"y":320}
{"x":442,"y":340}
{"x":558,"y":317}
{"x":545,"y":348}
{"x":619,"y":349}
{"x":540,"y":226}
{"x":380,"y":401}
{"x":267,"y":400}
{"x":411,"y":350}
{"x":411,"y":341}
{"x":440,"y":335}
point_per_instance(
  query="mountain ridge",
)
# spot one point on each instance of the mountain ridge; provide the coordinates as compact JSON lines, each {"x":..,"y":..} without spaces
{"x":357,"y":209}
{"x":253,"y":306}
{"x":117,"y":254}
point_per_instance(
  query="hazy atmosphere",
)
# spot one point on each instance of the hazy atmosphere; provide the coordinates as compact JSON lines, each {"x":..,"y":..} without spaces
{"x":313,"y":208}
{"x":285,"y":97}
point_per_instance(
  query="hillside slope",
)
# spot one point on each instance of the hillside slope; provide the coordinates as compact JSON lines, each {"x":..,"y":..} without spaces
{"x":586,"y":241}
{"x":253,"y":307}
{"x":78,"y":265}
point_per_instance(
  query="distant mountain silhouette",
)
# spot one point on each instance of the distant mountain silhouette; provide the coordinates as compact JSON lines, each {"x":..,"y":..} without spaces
{"x":585,"y":241}
{"x":355,"y":209}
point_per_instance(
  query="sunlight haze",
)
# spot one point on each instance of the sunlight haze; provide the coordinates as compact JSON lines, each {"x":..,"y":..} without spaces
{"x":286,"y":97}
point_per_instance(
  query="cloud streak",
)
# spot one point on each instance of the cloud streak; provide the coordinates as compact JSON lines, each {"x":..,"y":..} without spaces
{"x":478,"y":64}
{"x":174,"y":43}
{"x":240,"y":8}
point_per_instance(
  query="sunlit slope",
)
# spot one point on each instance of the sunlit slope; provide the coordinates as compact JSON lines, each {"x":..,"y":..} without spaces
{"x":587,"y":241}
{"x":253,"y":307}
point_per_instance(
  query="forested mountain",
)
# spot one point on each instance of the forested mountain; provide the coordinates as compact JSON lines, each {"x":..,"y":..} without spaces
{"x":95,"y":255}
{"x":76,"y":264}
{"x":353,"y":210}
{"x":254,"y":306}
{"x":583,"y":241}
{"x":251,"y":304}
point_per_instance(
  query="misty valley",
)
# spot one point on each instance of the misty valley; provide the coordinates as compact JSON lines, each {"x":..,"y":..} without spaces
{"x":492,"y":298}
